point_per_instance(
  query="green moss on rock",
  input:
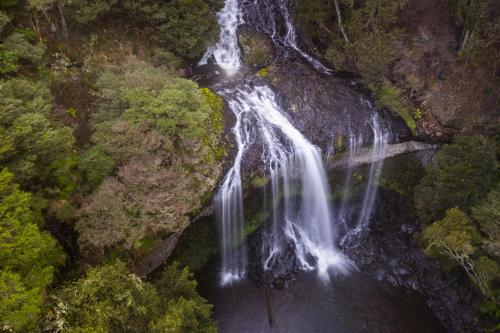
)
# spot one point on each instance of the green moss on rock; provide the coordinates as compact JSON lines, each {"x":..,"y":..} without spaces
{"x":197,"y":245}
{"x":257,"y":50}
{"x":264,"y":72}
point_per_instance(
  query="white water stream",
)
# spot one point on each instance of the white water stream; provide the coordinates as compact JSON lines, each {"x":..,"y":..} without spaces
{"x":226,"y":53}
{"x":291,"y":161}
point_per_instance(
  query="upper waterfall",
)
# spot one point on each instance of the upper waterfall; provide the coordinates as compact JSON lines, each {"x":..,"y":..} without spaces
{"x":274,"y":18}
{"x":290,"y":158}
{"x":226,"y":53}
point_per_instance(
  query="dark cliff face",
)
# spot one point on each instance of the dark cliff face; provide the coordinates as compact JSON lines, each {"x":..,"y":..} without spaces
{"x":390,"y":252}
{"x":324,"y":107}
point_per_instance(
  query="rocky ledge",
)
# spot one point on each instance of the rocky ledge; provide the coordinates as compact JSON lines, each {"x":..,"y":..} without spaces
{"x":389,"y":251}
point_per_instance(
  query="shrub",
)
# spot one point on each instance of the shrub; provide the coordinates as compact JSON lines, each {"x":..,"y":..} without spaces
{"x":19,"y":44}
{"x":9,"y":61}
{"x":28,"y":257}
{"x":392,"y":98}
{"x":95,"y":165}
{"x":111,"y":299}
{"x":461,"y":176}
{"x":455,"y":238}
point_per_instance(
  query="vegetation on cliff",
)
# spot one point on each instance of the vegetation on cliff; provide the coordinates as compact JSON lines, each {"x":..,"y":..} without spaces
{"x":105,"y":144}
{"x":458,"y":199}
{"x":407,"y":52}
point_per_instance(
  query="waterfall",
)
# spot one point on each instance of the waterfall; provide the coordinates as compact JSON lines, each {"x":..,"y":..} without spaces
{"x":229,"y":208}
{"x":226,"y":53}
{"x":275,"y":19}
{"x":355,"y":142}
{"x":291,"y":161}
{"x":301,"y":212}
{"x":381,"y":137}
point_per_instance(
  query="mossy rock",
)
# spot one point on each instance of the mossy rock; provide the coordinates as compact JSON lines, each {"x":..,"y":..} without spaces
{"x":198,"y":244}
{"x":256,"y":47}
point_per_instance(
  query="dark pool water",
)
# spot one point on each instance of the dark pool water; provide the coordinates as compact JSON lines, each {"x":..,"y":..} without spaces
{"x":348,"y":304}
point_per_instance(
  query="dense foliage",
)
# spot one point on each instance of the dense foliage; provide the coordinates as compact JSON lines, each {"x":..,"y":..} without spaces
{"x":111,"y":299}
{"x":28,"y":258}
{"x":461,"y":190}
{"x":103,"y":143}
{"x":159,"y":135}
{"x":462,"y":175}
{"x":33,"y":145}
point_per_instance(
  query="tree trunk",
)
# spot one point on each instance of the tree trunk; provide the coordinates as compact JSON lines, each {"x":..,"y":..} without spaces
{"x":36,"y":25}
{"x":63,"y":20}
{"x":53,"y":28}
{"x":464,"y":40}
{"x":339,"y":18}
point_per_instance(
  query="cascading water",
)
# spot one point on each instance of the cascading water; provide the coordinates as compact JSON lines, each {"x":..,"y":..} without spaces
{"x":292,"y":161}
{"x":355,"y":142}
{"x":276,"y":21}
{"x":381,"y":137}
{"x":226,"y":53}
{"x":301,"y":213}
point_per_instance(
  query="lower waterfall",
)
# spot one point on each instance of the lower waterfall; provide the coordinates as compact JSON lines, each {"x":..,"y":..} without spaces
{"x":291,"y":161}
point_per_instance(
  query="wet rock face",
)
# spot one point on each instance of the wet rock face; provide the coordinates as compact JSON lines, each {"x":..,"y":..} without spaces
{"x":389,"y":251}
{"x":325,"y":107}
{"x":257,"y":49}
{"x":281,"y":271}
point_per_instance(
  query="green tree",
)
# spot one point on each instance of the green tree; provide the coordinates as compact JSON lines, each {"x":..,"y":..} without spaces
{"x":186,"y":311}
{"x":9,"y":61}
{"x":34,"y":145}
{"x":19,"y":305}
{"x":96,"y":165}
{"x":487,"y":214}
{"x":185,"y":316}
{"x":107,"y":299}
{"x":111,"y":299}
{"x":456,"y":239}
{"x":190,"y":27}
{"x":24,"y":49}
{"x":164,"y":136}
{"x":28,"y":257}
{"x":178,"y":110}
{"x":460,"y":177}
